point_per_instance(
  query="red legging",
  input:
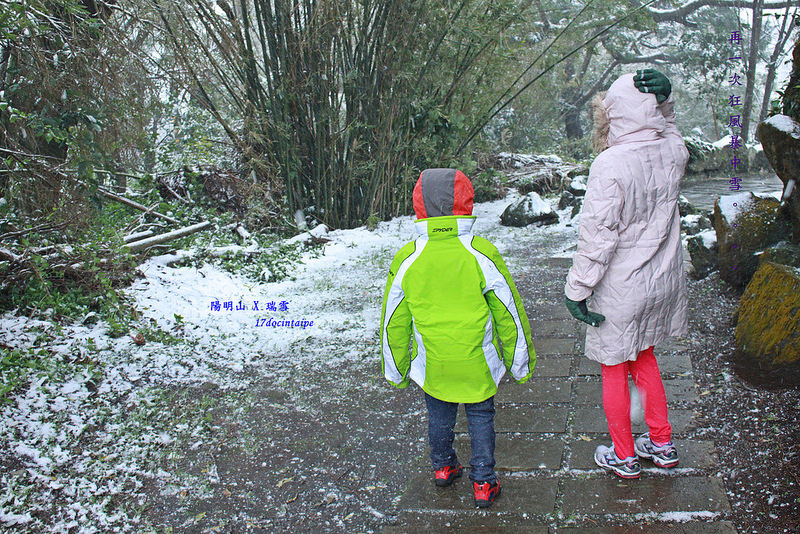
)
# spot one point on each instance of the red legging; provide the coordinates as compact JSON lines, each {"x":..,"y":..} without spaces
{"x":617,"y":401}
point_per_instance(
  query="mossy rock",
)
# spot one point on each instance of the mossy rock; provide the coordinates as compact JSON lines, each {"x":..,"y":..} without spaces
{"x":768,"y":328}
{"x":758,"y":224}
{"x":704,"y":255}
{"x":703,"y":157}
{"x":780,"y":137}
{"x":783,"y":253}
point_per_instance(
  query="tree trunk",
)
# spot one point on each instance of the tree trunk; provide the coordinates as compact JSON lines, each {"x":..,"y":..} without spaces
{"x":752,"y":63}
{"x":772,"y":65}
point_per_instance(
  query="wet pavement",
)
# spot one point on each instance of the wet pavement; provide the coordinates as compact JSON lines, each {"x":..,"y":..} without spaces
{"x":547,"y":430}
{"x":703,"y":192}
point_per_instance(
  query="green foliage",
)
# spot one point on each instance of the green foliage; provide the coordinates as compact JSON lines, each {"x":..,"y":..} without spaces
{"x":20,"y":366}
{"x":16,"y":367}
{"x":77,"y":294}
{"x":488,"y":185}
{"x":191,"y":138}
{"x":78,"y":282}
{"x":267,"y":259}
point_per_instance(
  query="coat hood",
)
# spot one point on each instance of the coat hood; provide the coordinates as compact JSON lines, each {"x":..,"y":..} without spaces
{"x":442,"y":192}
{"x":633,"y":116}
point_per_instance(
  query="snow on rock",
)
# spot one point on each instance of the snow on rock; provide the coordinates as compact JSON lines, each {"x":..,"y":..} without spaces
{"x":732,"y":205}
{"x":528,"y":210}
{"x":703,"y":251}
{"x":709,"y":238}
{"x":509,"y":159}
{"x":784,"y":123}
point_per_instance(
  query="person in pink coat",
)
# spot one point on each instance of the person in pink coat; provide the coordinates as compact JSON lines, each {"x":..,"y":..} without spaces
{"x":629,"y":261}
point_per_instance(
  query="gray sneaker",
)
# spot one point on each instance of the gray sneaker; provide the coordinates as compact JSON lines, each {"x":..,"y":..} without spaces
{"x":606,"y":458}
{"x":663,"y":456}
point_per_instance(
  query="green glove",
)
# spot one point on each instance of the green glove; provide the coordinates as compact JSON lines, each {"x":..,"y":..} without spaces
{"x":652,"y":81}
{"x":582,"y":313}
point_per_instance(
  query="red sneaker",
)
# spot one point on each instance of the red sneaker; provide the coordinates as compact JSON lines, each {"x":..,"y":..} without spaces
{"x":447,"y":474}
{"x":485,"y":493}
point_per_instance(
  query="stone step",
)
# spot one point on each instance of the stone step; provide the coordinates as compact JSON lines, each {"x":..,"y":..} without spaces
{"x":523,"y":418}
{"x":593,"y":420}
{"x":587,"y":391}
{"x":553,"y":345}
{"x":678,"y":390}
{"x":689,"y":527}
{"x":519,"y":496}
{"x":485,"y":522}
{"x":532,"y":452}
{"x":605,"y":495}
{"x":668,"y":363}
{"x":536,"y":390}
{"x":552,"y":366}
{"x":479,"y":522}
{"x":543,"y":328}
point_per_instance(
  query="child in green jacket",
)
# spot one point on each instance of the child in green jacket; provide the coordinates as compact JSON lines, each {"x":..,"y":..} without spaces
{"x":451,"y":295}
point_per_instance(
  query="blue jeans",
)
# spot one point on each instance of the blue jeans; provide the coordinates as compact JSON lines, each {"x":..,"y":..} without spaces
{"x":480,"y":416}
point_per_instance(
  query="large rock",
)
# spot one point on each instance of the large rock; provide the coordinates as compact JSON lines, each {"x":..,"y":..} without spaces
{"x":714,"y":158}
{"x":578,"y":186}
{"x":694,"y":224}
{"x":783,"y":253}
{"x":704,"y":253}
{"x":567,"y":200}
{"x":780,"y":137}
{"x":528,"y":210}
{"x":685,"y":207}
{"x":541,"y":181}
{"x":768,"y":328}
{"x":704,"y":158}
{"x":746,"y":224}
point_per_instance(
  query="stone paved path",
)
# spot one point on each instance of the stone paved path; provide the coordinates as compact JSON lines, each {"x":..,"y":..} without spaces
{"x":547,"y":430}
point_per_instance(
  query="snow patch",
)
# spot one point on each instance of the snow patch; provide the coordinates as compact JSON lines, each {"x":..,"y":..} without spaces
{"x":732,"y":205}
{"x":684,"y":517}
{"x":709,"y":238}
{"x":784,"y":123}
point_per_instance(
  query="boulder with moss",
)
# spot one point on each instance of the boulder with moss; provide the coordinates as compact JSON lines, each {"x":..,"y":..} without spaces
{"x":768,"y":327}
{"x":784,"y":253}
{"x":704,"y":254}
{"x":745,"y":225}
{"x":714,"y":158}
{"x":780,"y":137}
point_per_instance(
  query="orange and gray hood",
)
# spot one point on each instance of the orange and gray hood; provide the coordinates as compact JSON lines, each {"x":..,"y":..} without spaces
{"x":441,"y":193}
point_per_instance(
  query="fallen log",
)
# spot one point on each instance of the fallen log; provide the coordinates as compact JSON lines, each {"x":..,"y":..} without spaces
{"x":169,"y":236}
{"x":136,"y":205}
{"x":138,"y":235}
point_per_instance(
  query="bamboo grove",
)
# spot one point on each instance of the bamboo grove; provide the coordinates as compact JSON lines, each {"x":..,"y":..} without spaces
{"x":341,"y":100}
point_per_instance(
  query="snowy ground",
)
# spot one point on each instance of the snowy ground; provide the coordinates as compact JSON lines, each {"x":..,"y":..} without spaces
{"x":219,"y":422}
{"x":86,"y":441}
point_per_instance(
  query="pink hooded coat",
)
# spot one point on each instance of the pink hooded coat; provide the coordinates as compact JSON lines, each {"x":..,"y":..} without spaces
{"x":629,"y":255}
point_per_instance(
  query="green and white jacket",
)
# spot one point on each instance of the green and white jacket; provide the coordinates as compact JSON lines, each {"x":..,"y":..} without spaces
{"x":450,"y":293}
